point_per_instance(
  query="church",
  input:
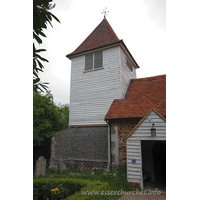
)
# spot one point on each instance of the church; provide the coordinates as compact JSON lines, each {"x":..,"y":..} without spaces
{"x":112,"y":113}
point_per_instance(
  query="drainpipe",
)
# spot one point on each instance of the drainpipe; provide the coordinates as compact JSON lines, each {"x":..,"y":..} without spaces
{"x":107,"y":121}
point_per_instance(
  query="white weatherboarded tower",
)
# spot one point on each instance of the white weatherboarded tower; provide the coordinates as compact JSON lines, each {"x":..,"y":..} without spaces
{"x":101,"y":68}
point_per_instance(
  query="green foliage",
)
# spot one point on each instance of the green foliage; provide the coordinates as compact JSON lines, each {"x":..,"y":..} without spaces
{"x":41,"y":17}
{"x":121,"y":169}
{"x":93,"y":187}
{"x":46,"y":119}
{"x":116,"y":183}
{"x":37,"y":85}
{"x":110,"y":171}
{"x":63,"y":111}
{"x":68,"y":188}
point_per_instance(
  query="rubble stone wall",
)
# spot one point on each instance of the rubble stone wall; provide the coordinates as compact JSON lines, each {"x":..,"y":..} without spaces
{"x":87,"y":144}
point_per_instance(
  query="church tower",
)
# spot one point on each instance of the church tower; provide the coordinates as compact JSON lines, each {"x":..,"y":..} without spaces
{"x":101,"y":68}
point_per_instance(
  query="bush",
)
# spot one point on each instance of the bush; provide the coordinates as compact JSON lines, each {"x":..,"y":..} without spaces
{"x":67,"y":187}
{"x":114,"y":171}
{"x":71,"y":189}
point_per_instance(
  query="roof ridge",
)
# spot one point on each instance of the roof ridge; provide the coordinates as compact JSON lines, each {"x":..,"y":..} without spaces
{"x":111,"y":28}
{"x":149,"y":77}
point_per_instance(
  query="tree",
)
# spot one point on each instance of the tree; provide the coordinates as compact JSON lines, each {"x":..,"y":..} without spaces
{"x":63,"y":111}
{"x":41,"y":17}
{"x":46,"y":118}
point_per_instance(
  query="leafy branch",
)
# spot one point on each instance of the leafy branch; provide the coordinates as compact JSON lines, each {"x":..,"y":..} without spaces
{"x":41,"y":17}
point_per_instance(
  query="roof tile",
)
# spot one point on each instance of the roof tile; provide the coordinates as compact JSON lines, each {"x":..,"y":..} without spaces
{"x":102,"y":35}
{"x":142,"y":95}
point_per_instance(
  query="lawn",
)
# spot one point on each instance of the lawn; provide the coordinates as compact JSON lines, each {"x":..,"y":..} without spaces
{"x":117,"y":180}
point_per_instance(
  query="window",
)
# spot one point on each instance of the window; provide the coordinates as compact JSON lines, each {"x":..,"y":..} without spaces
{"x":93,"y":60}
{"x":129,"y":64}
{"x":89,"y":61}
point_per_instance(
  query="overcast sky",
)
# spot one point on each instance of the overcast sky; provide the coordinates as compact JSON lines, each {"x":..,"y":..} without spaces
{"x":141,"y":25}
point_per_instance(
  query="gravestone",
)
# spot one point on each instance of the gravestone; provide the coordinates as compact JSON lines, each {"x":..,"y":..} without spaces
{"x":61,"y":166}
{"x":40,"y":167}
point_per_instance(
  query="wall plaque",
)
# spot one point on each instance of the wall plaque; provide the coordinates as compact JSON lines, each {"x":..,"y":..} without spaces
{"x":133,"y":161}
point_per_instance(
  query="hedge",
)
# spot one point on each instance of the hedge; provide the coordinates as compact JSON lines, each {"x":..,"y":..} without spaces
{"x":70,"y":189}
{"x":95,"y":186}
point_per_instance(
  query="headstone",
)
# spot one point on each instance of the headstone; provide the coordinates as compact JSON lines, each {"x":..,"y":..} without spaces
{"x":40,"y":167}
{"x":62,"y":166}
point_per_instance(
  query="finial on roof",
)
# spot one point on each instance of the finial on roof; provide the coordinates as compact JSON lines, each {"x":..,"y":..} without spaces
{"x":105,"y":12}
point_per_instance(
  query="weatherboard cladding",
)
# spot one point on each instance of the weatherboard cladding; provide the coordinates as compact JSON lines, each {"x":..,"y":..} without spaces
{"x":126,"y":73}
{"x":93,"y":92}
{"x":142,"y":95}
{"x":150,"y":111}
{"x":142,"y":132}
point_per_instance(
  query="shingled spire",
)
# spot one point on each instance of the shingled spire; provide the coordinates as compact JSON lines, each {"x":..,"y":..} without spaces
{"x":102,"y":35}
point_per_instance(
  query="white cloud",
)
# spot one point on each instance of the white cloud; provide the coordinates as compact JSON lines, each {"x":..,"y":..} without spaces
{"x":157,"y":11}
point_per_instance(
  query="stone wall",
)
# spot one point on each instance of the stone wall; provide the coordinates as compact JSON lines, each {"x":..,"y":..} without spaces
{"x":126,"y":126}
{"x":120,"y":129}
{"x":87,"y":145}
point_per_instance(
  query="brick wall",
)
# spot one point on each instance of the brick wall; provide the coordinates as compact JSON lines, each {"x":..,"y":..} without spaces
{"x":126,"y":126}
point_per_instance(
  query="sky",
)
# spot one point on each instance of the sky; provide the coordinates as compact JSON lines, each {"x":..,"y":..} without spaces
{"x":141,"y":25}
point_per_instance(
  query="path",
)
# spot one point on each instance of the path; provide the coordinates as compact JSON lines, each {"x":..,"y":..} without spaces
{"x":145,"y":197}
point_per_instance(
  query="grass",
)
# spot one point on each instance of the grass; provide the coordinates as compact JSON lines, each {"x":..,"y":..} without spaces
{"x":116,"y":183}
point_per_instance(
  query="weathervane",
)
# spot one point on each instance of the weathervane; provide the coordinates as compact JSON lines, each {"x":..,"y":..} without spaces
{"x":105,"y":12}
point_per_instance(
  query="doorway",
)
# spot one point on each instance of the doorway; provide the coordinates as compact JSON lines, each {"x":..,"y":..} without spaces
{"x":154,"y":164}
{"x":159,"y":159}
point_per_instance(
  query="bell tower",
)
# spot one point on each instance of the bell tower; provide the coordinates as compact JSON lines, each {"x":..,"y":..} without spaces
{"x":101,"y":68}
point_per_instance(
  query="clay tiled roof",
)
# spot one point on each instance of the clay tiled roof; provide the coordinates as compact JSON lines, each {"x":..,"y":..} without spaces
{"x":102,"y":35}
{"x":142,"y":95}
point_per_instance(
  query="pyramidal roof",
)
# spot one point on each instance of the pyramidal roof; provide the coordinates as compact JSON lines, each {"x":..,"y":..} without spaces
{"x":102,"y":35}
